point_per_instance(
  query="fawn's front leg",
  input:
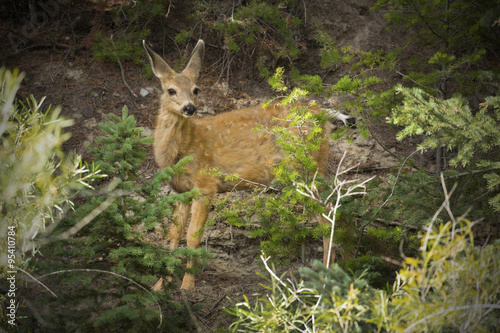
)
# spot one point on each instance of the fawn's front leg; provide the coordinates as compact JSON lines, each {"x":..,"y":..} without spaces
{"x":176,"y":232}
{"x":179,"y":225}
{"x":199,"y":214}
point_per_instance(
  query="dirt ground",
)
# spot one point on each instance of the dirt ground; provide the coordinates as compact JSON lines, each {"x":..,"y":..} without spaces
{"x":60,"y":66}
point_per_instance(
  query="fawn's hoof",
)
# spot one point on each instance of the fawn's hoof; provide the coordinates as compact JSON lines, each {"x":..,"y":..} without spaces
{"x":188,"y":282}
{"x":158,"y":285}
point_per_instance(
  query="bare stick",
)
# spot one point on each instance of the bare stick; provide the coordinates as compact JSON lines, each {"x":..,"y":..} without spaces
{"x":436,"y":214}
{"x":37,"y":281}
{"x":185,"y":300}
{"x":443,"y":312}
{"x":168,"y":9}
{"x":121,"y":68}
{"x":311,"y":191}
{"x":447,"y":205}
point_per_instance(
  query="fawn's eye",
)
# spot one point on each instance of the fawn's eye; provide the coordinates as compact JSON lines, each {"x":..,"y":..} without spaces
{"x":196,"y":91}
{"x":171,"y":92}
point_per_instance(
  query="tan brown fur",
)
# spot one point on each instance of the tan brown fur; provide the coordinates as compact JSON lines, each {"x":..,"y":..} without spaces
{"x":227,"y":142}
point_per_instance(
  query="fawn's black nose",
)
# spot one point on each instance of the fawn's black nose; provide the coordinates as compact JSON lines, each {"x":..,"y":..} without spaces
{"x":189,"y":110}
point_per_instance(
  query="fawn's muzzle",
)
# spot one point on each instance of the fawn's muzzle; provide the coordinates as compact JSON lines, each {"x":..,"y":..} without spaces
{"x":189,"y":110}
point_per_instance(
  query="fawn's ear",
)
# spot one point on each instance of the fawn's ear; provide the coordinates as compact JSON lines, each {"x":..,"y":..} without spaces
{"x":160,"y":68}
{"x":194,"y":65}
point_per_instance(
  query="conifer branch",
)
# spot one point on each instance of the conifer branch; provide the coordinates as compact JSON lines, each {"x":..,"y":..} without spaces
{"x":383,"y":204}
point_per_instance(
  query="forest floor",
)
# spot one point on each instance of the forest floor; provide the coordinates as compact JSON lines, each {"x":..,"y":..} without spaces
{"x":88,"y":89}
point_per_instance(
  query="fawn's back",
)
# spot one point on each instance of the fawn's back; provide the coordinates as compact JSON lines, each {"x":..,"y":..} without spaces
{"x":232,"y":144}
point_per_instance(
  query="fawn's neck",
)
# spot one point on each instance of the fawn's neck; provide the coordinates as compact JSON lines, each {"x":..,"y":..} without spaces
{"x":172,"y":135}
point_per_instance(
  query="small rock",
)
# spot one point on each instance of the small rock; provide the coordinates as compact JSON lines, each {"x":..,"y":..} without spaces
{"x":153,"y":90}
{"x":242,"y":104}
{"x":144,"y":92}
{"x":88,"y":111}
{"x":206,"y":109}
{"x":147,"y":132}
{"x":91,"y":123}
{"x":224,"y":86}
{"x":74,"y":73}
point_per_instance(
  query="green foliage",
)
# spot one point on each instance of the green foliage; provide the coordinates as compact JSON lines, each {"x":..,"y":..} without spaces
{"x":451,"y":286}
{"x":475,"y":137}
{"x":344,"y":300}
{"x":119,"y":232}
{"x":355,"y":216}
{"x":458,"y":23}
{"x":253,"y":20}
{"x":472,"y":134}
{"x":123,"y":148}
{"x":133,"y":309}
{"x":367,"y":84}
{"x":125,"y":46}
{"x":330,"y":55}
{"x":448,"y":48}
{"x":37,"y":180}
{"x":263,"y":30}
{"x":286,"y":213}
{"x":414,"y":198}
{"x":439,"y":60}
{"x":116,"y":243}
{"x":129,"y":29}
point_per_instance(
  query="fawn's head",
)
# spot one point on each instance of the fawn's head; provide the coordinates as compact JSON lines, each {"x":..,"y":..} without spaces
{"x":179,"y":89}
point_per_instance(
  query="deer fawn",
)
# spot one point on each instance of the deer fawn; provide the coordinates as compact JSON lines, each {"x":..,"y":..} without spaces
{"x":227,"y":142}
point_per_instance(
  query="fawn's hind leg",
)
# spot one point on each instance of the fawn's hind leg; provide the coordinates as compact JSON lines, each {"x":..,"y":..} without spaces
{"x":176,"y":232}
